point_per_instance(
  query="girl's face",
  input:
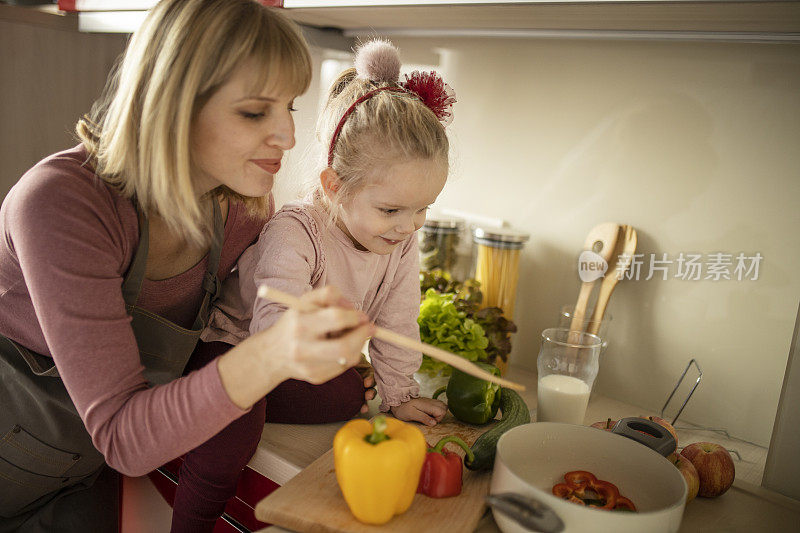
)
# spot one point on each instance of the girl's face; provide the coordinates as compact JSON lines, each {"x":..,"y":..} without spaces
{"x":239,"y":136}
{"x":393,"y":206}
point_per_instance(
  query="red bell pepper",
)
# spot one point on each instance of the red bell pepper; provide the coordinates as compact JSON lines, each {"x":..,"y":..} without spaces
{"x":441,"y":472}
{"x":625,"y":503}
{"x":578,"y":481}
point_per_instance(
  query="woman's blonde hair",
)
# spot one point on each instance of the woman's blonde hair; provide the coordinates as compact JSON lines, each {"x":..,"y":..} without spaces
{"x":138,"y":133}
{"x":386,"y":128}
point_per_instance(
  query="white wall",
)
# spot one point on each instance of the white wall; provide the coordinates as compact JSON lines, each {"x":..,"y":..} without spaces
{"x":695,"y":145}
{"x":297,"y":171}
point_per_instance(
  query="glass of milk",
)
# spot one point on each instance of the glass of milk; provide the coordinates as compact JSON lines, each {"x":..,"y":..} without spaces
{"x":568,"y":363}
{"x":601,"y":329}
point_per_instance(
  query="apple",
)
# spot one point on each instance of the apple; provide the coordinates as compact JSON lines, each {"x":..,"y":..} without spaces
{"x":714,"y":466}
{"x":689,"y":473}
{"x":608,"y":425}
{"x":665,"y":424}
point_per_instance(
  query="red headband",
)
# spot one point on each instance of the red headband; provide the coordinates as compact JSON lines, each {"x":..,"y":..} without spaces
{"x":428,"y":87}
{"x":350,"y":109}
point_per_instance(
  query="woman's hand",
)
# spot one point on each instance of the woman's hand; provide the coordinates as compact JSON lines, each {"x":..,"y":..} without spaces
{"x":314,"y":346}
{"x":319,"y":345}
{"x":425,"y":410}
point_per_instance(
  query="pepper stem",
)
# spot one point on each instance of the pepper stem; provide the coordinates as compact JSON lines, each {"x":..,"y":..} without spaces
{"x":439,"y":391}
{"x":378,"y":430}
{"x":452,"y":438}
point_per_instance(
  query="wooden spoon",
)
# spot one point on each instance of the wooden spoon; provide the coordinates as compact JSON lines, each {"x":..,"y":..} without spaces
{"x":602,"y":240}
{"x":626,"y":247}
{"x":397,"y":339}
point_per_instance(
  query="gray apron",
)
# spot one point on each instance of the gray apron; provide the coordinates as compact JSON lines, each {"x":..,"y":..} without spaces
{"x":52,"y":478}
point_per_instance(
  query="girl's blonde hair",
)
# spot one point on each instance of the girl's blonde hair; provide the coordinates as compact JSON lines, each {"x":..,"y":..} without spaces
{"x":138,"y":132}
{"x":386,"y":128}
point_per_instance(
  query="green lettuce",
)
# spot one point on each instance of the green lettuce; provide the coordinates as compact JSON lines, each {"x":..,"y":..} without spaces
{"x":444,"y":326}
{"x":467,"y":298}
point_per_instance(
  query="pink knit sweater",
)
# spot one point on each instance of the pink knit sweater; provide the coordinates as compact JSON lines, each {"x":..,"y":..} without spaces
{"x":299,"y":250}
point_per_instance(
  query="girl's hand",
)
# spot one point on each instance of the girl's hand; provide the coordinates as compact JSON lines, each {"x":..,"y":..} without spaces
{"x":425,"y":410}
{"x":369,"y":392}
{"x":368,"y":375}
{"x":313,"y":346}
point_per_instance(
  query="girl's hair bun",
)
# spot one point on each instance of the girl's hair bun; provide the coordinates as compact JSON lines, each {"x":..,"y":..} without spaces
{"x":378,"y":60}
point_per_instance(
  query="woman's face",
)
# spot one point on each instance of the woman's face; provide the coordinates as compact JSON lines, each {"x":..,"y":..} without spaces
{"x":393,"y":206}
{"x":239,"y":136}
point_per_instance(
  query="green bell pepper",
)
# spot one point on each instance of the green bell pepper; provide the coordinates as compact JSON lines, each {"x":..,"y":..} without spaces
{"x":470,"y":399}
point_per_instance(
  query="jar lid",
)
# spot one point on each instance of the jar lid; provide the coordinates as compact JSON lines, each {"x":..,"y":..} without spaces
{"x":443,"y":224}
{"x":500,"y":237}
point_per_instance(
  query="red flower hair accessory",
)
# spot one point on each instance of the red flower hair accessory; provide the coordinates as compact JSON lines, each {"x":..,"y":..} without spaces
{"x":434,"y":93}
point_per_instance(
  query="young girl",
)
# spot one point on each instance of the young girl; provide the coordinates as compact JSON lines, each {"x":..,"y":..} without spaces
{"x":387,"y":161}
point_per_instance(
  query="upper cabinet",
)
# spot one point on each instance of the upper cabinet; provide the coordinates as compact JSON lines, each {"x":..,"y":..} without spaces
{"x":510,"y":16}
{"x":715,"y":19}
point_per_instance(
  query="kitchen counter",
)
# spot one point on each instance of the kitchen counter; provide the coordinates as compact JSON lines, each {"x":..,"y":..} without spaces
{"x":286,"y":449}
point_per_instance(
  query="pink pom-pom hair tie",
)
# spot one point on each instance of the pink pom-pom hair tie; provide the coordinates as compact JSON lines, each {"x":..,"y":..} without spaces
{"x":378,"y":60}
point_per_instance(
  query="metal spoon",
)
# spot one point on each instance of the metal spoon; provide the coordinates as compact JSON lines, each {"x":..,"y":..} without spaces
{"x":527,"y":512}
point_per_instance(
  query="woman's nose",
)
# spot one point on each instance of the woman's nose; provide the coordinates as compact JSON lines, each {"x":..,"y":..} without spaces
{"x":281,"y":134}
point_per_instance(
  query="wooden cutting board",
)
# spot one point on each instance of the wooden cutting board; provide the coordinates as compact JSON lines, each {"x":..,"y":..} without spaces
{"x":311,"y":501}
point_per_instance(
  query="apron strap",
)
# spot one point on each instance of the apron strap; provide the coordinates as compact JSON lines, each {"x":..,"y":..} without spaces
{"x":211,"y":283}
{"x":132,"y":284}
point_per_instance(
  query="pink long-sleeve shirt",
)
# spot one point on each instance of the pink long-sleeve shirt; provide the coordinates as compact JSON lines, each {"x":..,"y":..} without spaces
{"x":299,"y":250}
{"x":68,"y":240}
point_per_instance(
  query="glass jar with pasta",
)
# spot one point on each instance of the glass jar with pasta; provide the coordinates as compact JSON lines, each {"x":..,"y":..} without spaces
{"x":497,"y":252}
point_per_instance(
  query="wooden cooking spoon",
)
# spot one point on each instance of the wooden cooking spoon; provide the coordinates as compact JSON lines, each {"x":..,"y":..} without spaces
{"x":623,"y":256}
{"x":602,"y":240}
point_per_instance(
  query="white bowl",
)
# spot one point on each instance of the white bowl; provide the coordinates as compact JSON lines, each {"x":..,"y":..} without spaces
{"x":533,"y":457}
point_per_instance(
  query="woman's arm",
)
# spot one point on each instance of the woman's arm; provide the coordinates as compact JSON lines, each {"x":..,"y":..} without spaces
{"x":68,"y":235}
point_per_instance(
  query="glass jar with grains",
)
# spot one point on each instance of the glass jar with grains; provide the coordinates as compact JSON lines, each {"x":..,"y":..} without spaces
{"x":441,"y":245}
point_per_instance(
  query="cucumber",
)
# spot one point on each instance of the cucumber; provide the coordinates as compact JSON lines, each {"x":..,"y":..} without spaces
{"x":515,"y":412}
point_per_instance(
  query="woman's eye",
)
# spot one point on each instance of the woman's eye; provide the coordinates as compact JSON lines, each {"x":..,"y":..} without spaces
{"x":291,"y":107}
{"x":252,"y":116}
{"x":424,"y":209}
{"x":389,"y":211}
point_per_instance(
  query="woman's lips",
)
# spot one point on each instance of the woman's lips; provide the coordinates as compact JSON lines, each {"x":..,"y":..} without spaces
{"x":390,"y":241}
{"x":270,"y":165}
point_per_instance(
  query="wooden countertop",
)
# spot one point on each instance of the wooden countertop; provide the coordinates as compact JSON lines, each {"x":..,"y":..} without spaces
{"x":286,"y":449}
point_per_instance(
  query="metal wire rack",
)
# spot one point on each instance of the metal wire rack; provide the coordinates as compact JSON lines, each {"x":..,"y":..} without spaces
{"x":721,"y":431}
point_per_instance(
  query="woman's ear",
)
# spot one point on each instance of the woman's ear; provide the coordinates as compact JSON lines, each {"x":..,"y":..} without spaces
{"x":330,"y":182}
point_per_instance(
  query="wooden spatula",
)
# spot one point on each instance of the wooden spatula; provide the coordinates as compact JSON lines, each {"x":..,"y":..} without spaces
{"x":602,"y":240}
{"x":619,"y":264}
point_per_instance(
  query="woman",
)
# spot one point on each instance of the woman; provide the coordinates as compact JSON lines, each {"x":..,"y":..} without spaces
{"x":113,"y":252}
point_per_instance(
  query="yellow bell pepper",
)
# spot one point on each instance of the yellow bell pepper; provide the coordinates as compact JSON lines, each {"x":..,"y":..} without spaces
{"x":378,"y":467}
